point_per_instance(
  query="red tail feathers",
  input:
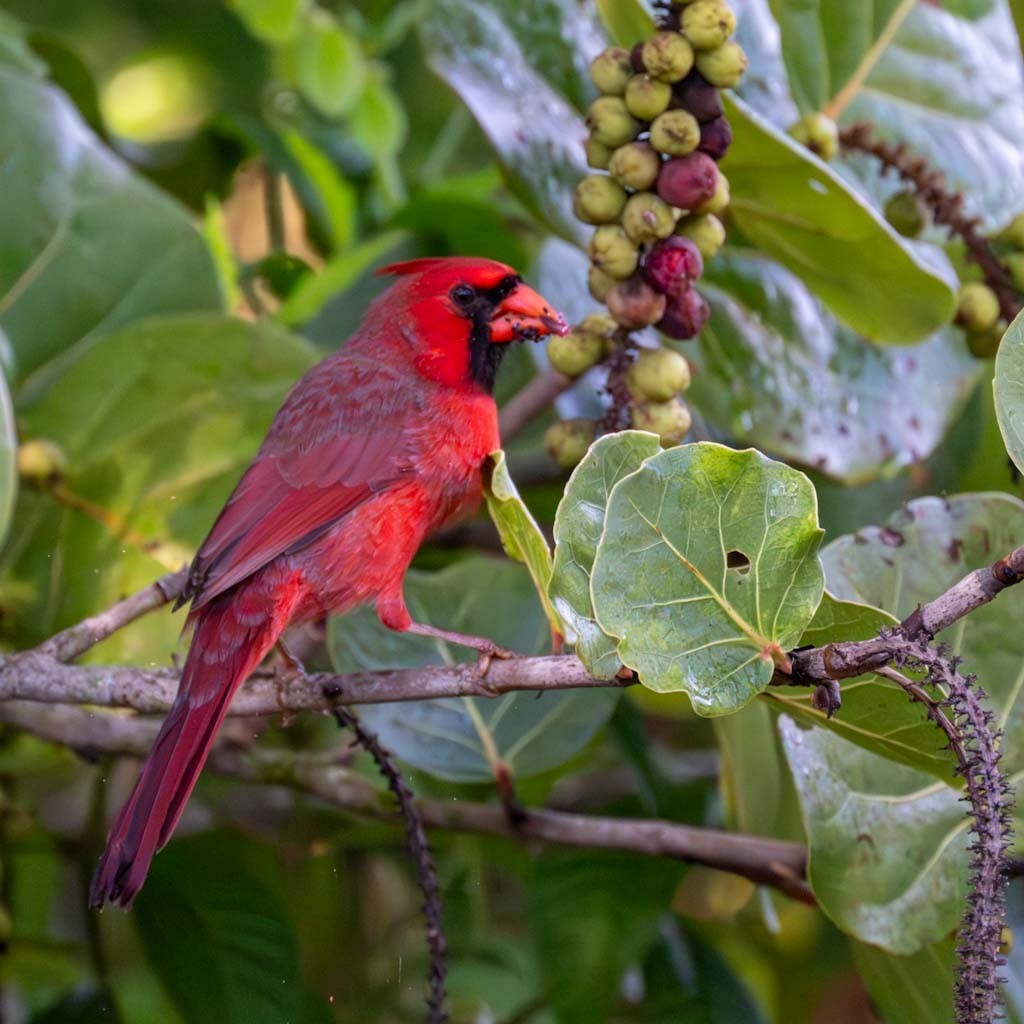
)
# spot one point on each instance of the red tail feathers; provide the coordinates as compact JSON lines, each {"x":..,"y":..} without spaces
{"x":224,"y":652}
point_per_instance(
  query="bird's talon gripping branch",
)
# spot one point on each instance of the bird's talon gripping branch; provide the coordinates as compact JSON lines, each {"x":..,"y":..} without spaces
{"x":827,"y":697}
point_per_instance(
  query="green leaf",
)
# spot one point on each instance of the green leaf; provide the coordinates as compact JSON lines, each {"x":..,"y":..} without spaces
{"x":8,"y":457}
{"x":521,"y":537}
{"x":707,"y":568}
{"x":579,"y":522}
{"x":778,"y":371}
{"x":797,"y":210}
{"x":462,"y":739}
{"x":626,"y":21}
{"x":876,"y":714}
{"x":329,"y":67}
{"x":887,"y":845}
{"x":1009,"y":390}
{"x":274,"y":21}
{"x":916,"y":988}
{"x":218,"y":936}
{"x":921,"y":551}
{"x":751,"y":773}
{"x":88,"y":247}
{"x":158,"y":421}
{"x":379,"y":123}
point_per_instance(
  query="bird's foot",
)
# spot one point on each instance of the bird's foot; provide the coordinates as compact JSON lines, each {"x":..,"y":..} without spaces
{"x":288,"y":670}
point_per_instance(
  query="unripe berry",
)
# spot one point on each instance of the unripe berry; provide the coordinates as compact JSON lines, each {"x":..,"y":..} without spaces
{"x":819,"y":133}
{"x":598,"y":154}
{"x":611,"y":251}
{"x":647,"y":97}
{"x":716,"y":137}
{"x":708,"y":23}
{"x":668,"y":56}
{"x":686,"y":313}
{"x":1015,"y":264}
{"x":697,"y":95}
{"x":598,"y":323}
{"x":610,"y":122}
{"x":576,"y":352}
{"x":720,"y":200}
{"x":598,"y":199}
{"x":635,"y":304}
{"x":658,"y":375}
{"x":567,"y":442}
{"x":599,"y":283}
{"x":724,"y":65}
{"x":984,"y":344}
{"x":688,"y":181}
{"x":1014,"y":232}
{"x":705,"y":230}
{"x":611,"y":70}
{"x":40,"y":461}
{"x":672,"y":263}
{"x":635,"y":165}
{"x":647,"y":218}
{"x":669,"y":420}
{"x":906,"y":212}
{"x":977,"y":307}
{"x":676,"y":133}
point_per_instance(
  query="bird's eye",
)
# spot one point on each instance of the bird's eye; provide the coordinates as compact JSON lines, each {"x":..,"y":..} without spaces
{"x":463,"y":295}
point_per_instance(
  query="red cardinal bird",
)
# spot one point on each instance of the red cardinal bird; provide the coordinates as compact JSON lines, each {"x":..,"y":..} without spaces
{"x":373,"y":449}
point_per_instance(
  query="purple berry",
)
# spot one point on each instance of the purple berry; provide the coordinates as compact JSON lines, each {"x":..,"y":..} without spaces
{"x":636,"y":57}
{"x":672,"y":263}
{"x":715,"y":137}
{"x":697,"y":95}
{"x":688,"y":181}
{"x":686,"y":312}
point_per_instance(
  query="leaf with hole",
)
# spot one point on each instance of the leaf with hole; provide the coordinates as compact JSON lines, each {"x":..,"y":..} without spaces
{"x":578,"y":524}
{"x":707,"y":570}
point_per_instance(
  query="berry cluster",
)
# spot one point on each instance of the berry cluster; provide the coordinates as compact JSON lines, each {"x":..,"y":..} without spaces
{"x":658,"y":130}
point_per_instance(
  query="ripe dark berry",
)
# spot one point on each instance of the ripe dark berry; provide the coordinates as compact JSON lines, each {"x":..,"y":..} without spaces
{"x":697,"y":95}
{"x":715,"y":137}
{"x":672,"y":263}
{"x":686,"y":312}
{"x":688,"y":181}
{"x":636,"y":58}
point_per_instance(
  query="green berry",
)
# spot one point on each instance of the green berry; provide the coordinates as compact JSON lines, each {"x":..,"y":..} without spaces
{"x":599,"y":283}
{"x":707,"y":24}
{"x":635,"y":304}
{"x":610,"y":123}
{"x":612,"y":251}
{"x":598,"y":199}
{"x":984,"y":344}
{"x":906,"y":212}
{"x":575,"y":352}
{"x":706,"y":232}
{"x":719,"y":202}
{"x":977,"y":307}
{"x":40,"y":461}
{"x":723,"y":66}
{"x":647,"y":218}
{"x":1015,"y":264}
{"x":819,"y":133}
{"x":611,"y":70}
{"x":676,"y":133}
{"x":658,"y":375}
{"x":647,"y":97}
{"x":669,"y":420}
{"x":635,"y":165}
{"x":668,"y":56}
{"x":568,"y":441}
{"x":1014,"y":232}
{"x":598,"y":323}
{"x":598,"y":154}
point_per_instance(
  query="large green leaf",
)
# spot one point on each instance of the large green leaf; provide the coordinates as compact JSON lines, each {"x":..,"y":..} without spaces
{"x":579,"y":522}
{"x":627,"y":21}
{"x":158,"y":421}
{"x":8,"y":449}
{"x":218,"y":936}
{"x":920,"y":552}
{"x":1009,"y":390}
{"x":779,"y":371}
{"x":916,"y":988}
{"x":876,"y":714}
{"x":887,"y":845}
{"x":797,"y":210}
{"x":87,"y":247}
{"x":461,"y":739}
{"x":706,"y":570}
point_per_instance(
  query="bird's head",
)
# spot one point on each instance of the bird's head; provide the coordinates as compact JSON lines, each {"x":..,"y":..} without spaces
{"x":460,"y":312}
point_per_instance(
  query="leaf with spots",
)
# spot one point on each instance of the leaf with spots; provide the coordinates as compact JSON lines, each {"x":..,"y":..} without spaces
{"x":707,"y":571}
{"x":578,"y":524}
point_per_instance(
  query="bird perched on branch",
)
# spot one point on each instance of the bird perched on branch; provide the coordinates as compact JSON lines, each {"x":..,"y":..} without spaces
{"x":374,"y":448}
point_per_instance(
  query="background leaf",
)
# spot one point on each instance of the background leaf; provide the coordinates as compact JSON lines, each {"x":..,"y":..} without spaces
{"x":8,"y":457}
{"x":1009,"y":391}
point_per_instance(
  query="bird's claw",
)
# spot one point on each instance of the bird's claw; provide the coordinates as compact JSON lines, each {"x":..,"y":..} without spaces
{"x":478,"y":673}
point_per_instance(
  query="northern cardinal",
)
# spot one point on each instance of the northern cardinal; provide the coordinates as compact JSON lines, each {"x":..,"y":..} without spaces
{"x":374,"y":448}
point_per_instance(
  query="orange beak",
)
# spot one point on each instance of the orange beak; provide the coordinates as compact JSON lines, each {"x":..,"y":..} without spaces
{"x":525,"y":316}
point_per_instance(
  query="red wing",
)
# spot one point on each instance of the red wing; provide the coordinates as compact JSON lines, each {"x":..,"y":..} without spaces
{"x":337,"y":440}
